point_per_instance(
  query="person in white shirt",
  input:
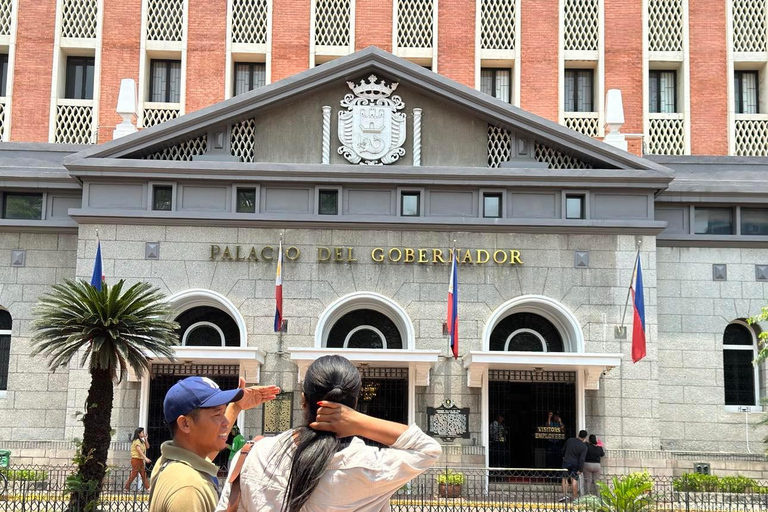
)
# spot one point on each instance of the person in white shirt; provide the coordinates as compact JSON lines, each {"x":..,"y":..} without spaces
{"x":323,"y":466}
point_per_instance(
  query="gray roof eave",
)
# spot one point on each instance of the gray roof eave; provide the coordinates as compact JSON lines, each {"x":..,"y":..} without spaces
{"x":349,"y":67}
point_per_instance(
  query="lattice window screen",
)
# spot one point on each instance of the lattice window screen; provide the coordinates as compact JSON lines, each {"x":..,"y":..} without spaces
{"x":499,"y":150}
{"x":153,"y":116}
{"x":2,"y":120}
{"x":6,"y":15}
{"x":556,"y":159}
{"x":751,"y":137}
{"x":497,"y":25}
{"x":250,"y":19}
{"x":749,"y":30}
{"x":165,"y":20}
{"x":79,"y":18}
{"x":665,"y":25}
{"x":587,"y":125}
{"x":666,"y":136}
{"x":332,"y":22}
{"x":243,"y":141}
{"x":181,"y":151}
{"x":414,"y":23}
{"x":74,"y":124}
{"x":581,"y":24}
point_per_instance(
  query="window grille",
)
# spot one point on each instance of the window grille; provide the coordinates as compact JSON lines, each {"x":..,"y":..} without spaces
{"x":368,"y":372}
{"x":530,"y":376}
{"x":153,"y":116}
{"x":2,"y":119}
{"x":332,"y":22}
{"x":666,"y":134}
{"x":665,"y":25}
{"x":249,"y":21}
{"x":497,"y":25}
{"x":79,"y":18}
{"x":6,"y":16}
{"x":752,"y":137}
{"x":581,"y":24}
{"x":499,"y":150}
{"x":182,"y":151}
{"x":749,"y":31}
{"x":583,"y":122}
{"x":196,"y":369}
{"x":243,"y":141}
{"x":414,"y":23}
{"x":74,"y":123}
{"x":165,"y":20}
{"x":557,"y":159}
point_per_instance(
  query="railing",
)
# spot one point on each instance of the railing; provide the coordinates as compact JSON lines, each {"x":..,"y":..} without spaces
{"x":751,"y":137}
{"x":666,"y":134}
{"x":74,"y":122}
{"x":583,"y":122}
{"x":42,"y":489}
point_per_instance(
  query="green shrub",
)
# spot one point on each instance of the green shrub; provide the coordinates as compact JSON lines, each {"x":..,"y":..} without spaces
{"x":631,"y":493}
{"x":28,"y":475}
{"x":695,"y":482}
{"x":738,"y":484}
{"x":450,"y":477}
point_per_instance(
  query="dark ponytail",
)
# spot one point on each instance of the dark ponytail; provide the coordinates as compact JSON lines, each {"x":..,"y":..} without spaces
{"x":329,"y":378}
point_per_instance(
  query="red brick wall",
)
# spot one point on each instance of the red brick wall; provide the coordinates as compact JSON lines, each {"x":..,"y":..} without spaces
{"x":32,"y":70}
{"x":624,"y":61}
{"x":121,"y":36}
{"x":456,"y":41}
{"x":206,"y":55}
{"x":373,"y":24}
{"x":539,"y":57}
{"x":290,"y":37}
{"x":709,"y":70}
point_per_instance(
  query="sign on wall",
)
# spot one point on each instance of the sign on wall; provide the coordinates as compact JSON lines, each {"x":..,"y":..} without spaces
{"x":448,"y":421}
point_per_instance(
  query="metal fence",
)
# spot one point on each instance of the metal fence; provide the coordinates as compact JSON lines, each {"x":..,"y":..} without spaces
{"x":43,"y":489}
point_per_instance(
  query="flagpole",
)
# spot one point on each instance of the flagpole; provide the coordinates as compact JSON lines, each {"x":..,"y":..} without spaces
{"x":280,"y":327}
{"x":629,"y":288}
{"x":454,"y":261}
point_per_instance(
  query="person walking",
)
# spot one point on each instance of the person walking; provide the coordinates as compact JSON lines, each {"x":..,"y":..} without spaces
{"x":574,"y":455}
{"x":592,"y":468}
{"x":324,"y":466}
{"x":139,"y":459}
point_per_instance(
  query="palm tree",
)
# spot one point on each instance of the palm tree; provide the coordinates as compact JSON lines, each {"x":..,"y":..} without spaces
{"x":112,"y":331}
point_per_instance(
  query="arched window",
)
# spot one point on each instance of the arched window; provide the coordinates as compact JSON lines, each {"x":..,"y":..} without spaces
{"x":5,"y":347}
{"x":365,"y":328}
{"x":740,"y":374}
{"x":205,"y":326}
{"x":526,"y":332}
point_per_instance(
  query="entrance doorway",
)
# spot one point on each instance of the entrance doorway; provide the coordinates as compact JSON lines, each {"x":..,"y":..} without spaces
{"x":162,"y":377}
{"x":524,"y":399}
{"x":384,"y":394}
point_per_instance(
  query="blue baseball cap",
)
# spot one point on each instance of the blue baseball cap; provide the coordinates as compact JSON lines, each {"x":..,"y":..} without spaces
{"x":195,"y":393}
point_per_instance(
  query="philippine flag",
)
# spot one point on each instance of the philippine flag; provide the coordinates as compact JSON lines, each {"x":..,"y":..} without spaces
{"x":97,"y":278}
{"x":279,"y":289}
{"x":453,"y":303}
{"x":638,"y":324}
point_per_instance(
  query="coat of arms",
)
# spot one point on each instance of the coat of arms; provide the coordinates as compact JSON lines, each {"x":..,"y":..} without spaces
{"x":371,"y":130}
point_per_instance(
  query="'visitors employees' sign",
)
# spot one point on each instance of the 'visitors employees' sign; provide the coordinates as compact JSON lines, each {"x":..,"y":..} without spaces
{"x":549,"y":433}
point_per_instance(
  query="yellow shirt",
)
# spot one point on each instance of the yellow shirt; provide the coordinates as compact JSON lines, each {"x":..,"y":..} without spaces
{"x":135,"y":446}
{"x":185,"y":485}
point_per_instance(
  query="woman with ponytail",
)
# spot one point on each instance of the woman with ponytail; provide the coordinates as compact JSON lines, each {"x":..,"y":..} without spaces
{"x":324,"y":465}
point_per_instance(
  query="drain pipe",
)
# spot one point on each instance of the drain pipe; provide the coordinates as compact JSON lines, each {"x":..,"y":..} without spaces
{"x":746,"y":428}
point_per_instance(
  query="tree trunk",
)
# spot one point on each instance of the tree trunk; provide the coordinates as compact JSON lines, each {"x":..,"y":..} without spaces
{"x":92,"y":464}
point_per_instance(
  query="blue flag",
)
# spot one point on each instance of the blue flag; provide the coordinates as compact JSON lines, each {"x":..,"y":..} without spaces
{"x":98,"y":269}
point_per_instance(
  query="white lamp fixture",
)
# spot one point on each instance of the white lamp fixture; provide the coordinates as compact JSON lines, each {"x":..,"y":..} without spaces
{"x":126,"y":108}
{"x":614,"y":119}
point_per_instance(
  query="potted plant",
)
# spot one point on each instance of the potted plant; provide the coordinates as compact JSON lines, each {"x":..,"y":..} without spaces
{"x":449,"y":483}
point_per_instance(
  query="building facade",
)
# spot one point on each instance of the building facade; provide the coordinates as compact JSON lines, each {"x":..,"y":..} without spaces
{"x":483,"y":140}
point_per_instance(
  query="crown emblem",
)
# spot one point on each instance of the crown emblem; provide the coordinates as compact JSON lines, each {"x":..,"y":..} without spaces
{"x":372,"y":90}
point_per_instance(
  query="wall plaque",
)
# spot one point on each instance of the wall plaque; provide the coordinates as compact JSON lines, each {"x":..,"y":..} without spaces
{"x":448,"y":421}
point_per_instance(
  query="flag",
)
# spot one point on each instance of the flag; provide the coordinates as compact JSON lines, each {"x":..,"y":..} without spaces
{"x":98,"y":268}
{"x":279,"y":289}
{"x":453,"y":303}
{"x":638,"y":305}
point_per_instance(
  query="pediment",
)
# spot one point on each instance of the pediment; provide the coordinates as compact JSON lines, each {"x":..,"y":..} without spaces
{"x":286,"y":123}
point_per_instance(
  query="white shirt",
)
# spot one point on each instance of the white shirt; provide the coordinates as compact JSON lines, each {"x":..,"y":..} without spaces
{"x":358,"y":478}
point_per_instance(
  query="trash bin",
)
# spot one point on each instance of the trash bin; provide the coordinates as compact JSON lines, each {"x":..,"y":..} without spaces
{"x":5,"y":459}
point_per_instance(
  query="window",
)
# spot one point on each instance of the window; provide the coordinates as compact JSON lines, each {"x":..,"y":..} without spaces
{"x":738,"y":370}
{"x":22,"y":206}
{"x":162,"y":197}
{"x":745,"y":92}
{"x":492,"y":206}
{"x":165,"y":81}
{"x":410,"y":204}
{"x":246,"y":200}
{"x":713,"y":221}
{"x":578,"y":90}
{"x":662,"y":89}
{"x":328,"y":202}
{"x":249,"y":76}
{"x":5,"y":348}
{"x":574,"y":207}
{"x":3,"y":74}
{"x":79,"y":85}
{"x":754,"y":221}
{"x":496,"y":82}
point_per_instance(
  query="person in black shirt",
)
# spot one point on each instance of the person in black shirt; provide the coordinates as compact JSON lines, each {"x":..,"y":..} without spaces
{"x":592,"y":465}
{"x":574,"y":455}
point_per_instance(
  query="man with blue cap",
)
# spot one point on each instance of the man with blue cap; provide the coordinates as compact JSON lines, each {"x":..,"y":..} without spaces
{"x":200,"y":416}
